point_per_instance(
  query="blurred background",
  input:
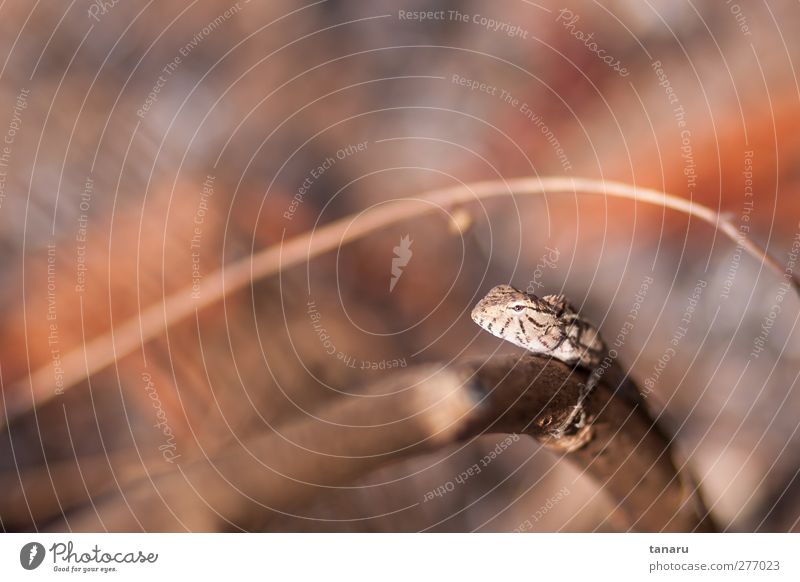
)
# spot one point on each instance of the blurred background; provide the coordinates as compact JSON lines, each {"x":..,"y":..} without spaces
{"x":146,"y":145}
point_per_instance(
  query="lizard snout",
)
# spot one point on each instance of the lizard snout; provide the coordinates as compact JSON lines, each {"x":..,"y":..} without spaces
{"x":477,"y":313}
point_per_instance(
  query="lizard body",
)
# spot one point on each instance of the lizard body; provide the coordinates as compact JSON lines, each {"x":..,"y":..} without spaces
{"x":551,"y":326}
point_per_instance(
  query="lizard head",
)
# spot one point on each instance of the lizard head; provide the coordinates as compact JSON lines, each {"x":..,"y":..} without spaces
{"x":513,"y":315}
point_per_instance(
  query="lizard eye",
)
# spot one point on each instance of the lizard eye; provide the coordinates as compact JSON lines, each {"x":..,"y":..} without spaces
{"x":518,"y":307}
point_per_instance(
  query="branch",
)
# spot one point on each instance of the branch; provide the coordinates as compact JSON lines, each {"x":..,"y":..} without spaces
{"x":104,"y":350}
{"x":418,"y":410}
{"x":621,"y":447}
{"x":410,"y":413}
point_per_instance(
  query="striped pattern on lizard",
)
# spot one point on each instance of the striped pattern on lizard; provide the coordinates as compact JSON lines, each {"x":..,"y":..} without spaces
{"x":550,"y":326}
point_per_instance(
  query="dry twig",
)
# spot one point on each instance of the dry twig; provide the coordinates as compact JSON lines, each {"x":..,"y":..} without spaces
{"x":104,"y":350}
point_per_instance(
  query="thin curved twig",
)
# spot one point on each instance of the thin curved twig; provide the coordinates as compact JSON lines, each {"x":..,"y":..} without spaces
{"x":102,"y":351}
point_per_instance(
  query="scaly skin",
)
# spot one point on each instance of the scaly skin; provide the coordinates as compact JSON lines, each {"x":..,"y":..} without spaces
{"x":549,"y":326}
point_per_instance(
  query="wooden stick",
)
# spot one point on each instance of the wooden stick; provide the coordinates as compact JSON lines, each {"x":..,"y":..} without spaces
{"x":418,"y":410}
{"x":411,"y":412}
{"x":621,"y":448}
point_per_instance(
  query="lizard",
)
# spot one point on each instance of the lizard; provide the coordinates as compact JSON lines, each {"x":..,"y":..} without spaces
{"x":551,"y":326}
